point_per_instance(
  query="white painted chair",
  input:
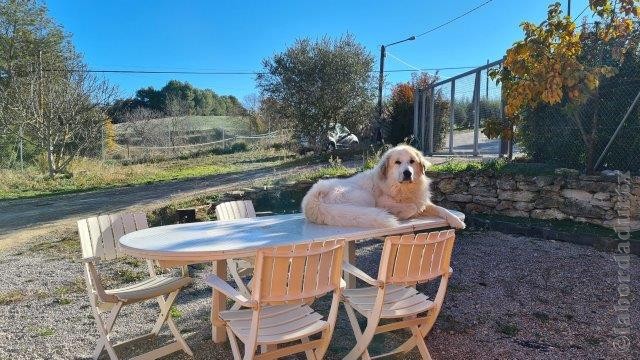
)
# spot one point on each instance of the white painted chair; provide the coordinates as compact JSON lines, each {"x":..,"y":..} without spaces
{"x":287,"y":279}
{"x":406,"y":261}
{"x":238,"y":268}
{"x":99,"y":238}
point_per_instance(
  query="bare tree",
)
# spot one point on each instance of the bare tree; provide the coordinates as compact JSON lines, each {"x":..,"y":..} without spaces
{"x":177,"y":110}
{"x":61,"y":111}
{"x":138,"y":128}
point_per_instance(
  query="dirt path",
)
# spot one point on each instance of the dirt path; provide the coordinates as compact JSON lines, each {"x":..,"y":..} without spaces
{"x":27,"y":218}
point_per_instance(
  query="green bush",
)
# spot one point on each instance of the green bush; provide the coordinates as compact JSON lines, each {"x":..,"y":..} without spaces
{"x":238,"y":147}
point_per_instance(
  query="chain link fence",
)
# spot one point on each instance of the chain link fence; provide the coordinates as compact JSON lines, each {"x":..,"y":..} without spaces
{"x":603,"y":133}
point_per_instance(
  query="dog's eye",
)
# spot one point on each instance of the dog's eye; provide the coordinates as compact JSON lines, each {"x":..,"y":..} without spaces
{"x":411,"y":161}
{"x":398,"y":162}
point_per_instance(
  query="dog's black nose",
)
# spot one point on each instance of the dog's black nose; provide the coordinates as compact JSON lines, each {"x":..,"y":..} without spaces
{"x":407,"y":174}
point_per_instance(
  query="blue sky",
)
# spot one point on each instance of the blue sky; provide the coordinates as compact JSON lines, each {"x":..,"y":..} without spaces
{"x":238,"y":35}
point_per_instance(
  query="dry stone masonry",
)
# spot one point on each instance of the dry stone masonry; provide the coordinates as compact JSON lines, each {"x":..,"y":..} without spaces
{"x":566,"y":194}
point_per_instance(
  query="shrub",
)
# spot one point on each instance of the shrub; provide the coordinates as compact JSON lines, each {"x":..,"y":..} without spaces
{"x":238,"y":147}
{"x":398,"y":127}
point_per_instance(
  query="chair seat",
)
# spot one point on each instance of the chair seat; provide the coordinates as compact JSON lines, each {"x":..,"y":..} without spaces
{"x":399,"y":301}
{"x":278,"y":323}
{"x":149,"y":288}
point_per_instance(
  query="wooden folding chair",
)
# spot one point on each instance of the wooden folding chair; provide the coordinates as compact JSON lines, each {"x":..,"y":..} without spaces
{"x":99,"y":238}
{"x":238,"y":268}
{"x":287,"y":279}
{"x":406,"y":261}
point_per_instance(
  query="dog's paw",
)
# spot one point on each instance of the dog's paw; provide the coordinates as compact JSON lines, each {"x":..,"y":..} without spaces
{"x":455,"y":222}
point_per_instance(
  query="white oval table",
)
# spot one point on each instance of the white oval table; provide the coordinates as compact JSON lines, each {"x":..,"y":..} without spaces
{"x":213,"y":241}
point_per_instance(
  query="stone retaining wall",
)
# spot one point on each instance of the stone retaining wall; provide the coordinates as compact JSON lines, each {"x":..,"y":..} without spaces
{"x":565,"y":195}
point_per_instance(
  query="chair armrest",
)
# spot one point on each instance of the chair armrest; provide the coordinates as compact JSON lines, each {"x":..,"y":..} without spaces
{"x":360,"y":274}
{"x":222,"y":286}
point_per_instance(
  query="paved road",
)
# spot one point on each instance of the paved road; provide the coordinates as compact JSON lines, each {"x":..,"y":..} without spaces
{"x":20,"y":216}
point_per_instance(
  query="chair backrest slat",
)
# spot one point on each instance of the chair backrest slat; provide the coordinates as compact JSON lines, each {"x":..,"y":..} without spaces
{"x":85,"y":239}
{"x":96,"y":237}
{"x":129,"y":223}
{"x":416,"y":258}
{"x":297,"y":273}
{"x":232,"y":210}
{"x":108,"y":239}
{"x":99,"y":235}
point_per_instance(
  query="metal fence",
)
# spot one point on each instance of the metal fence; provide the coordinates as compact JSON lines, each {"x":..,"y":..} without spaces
{"x":449,"y":115}
{"x":126,"y":151}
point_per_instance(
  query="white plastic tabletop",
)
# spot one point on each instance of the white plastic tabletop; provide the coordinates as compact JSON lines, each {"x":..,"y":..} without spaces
{"x":218,"y":240}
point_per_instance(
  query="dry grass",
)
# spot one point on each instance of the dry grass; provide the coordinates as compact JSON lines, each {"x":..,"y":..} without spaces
{"x":89,"y":174}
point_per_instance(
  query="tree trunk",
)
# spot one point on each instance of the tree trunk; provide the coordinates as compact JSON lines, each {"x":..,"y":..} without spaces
{"x":590,"y":156}
{"x":50,"y":162}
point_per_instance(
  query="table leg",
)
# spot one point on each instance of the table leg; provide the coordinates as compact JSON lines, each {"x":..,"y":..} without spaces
{"x":349,"y":256}
{"x":218,"y":303}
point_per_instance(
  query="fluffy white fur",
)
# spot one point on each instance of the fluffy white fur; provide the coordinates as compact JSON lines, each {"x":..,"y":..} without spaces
{"x":396,"y":189}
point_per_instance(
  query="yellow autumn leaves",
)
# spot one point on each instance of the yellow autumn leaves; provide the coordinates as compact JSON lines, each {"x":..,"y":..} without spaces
{"x":546,"y":66}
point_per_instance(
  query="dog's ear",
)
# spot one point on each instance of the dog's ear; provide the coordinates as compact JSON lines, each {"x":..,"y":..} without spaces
{"x":422,"y":160}
{"x":383,"y":166}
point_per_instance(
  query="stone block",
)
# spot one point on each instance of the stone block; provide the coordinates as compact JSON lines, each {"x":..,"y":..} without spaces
{"x":504,"y":204}
{"x":477,"y":208}
{"x":524,"y":206}
{"x":578,"y":195}
{"x":484,"y":200}
{"x":506,"y":184}
{"x":522,"y":195}
{"x":448,"y":185}
{"x":459,"y":197}
{"x":483,"y":191}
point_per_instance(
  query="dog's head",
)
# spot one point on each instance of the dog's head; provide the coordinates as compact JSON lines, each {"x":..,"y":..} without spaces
{"x":402,"y":164}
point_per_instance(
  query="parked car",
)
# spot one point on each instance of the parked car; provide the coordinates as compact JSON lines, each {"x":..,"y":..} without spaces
{"x":338,"y":138}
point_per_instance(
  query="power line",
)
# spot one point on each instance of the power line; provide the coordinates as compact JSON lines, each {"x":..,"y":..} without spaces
{"x":178,"y":72}
{"x":432,"y":69}
{"x":402,"y":61}
{"x":187,"y":72}
{"x":454,"y":19}
{"x":583,"y":10}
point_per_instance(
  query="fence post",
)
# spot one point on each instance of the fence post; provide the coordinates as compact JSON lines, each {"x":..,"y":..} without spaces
{"x":452,"y":115}
{"x":416,"y":108}
{"x":476,"y":113}
{"x":486,"y":91}
{"x":432,"y":105}
{"x":224,"y":144}
{"x":423,"y":120}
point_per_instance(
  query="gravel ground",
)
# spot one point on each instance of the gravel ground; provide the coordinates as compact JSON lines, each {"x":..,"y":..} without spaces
{"x":511,"y":297}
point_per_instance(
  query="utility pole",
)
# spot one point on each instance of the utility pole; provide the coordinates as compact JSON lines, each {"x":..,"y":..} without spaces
{"x":383,"y":49}
{"x":381,"y":80}
{"x":569,"y":8}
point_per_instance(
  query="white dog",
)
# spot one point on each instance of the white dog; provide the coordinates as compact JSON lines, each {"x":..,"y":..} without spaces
{"x":396,"y":188}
